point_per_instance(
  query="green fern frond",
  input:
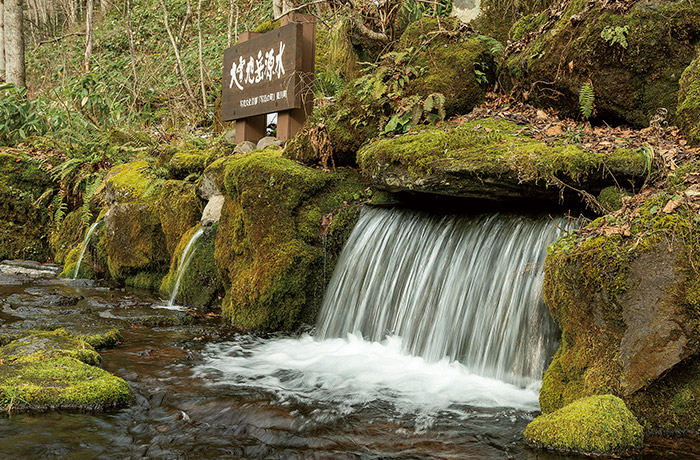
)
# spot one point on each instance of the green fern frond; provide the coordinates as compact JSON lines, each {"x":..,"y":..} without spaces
{"x":586,"y":100}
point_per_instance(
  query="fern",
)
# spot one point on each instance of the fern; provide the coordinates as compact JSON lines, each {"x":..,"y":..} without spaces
{"x":615,"y":35}
{"x":59,"y":209}
{"x":586,"y":100}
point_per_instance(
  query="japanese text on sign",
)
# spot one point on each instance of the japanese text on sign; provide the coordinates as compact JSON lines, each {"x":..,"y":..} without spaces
{"x":257,"y":69}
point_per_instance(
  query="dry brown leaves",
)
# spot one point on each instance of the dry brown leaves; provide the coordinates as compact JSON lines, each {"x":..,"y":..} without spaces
{"x":545,"y":125}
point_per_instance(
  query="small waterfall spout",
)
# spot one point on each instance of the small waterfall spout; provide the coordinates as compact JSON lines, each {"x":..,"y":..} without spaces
{"x":84,"y":246}
{"x":185,"y":258}
{"x":456,"y":288}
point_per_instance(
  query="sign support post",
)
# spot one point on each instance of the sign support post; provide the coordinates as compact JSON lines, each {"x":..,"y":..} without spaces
{"x":250,"y":128}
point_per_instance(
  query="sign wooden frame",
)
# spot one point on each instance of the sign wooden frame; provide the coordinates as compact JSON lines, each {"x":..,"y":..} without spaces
{"x":271,"y":72}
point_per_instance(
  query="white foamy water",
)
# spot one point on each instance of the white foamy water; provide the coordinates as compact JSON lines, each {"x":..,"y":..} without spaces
{"x":353,"y":372}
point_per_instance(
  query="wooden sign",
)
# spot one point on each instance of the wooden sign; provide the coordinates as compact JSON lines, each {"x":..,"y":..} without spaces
{"x":263,"y":74}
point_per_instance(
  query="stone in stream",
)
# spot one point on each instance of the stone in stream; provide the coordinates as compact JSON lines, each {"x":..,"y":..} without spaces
{"x":51,"y":370}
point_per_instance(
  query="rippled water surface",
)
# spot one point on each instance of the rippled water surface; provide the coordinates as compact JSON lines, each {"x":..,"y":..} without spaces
{"x":204,"y":391}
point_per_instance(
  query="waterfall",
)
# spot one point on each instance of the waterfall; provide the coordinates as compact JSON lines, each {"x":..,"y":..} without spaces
{"x":185,"y":258}
{"x":84,"y":246}
{"x":465,"y":289}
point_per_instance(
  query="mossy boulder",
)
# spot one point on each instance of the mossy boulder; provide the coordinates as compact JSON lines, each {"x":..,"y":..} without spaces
{"x":184,"y":163}
{"x":628,"y":330}
{"x":434,"y":57}
{"x":270,"y":241}
{"x":491,"y":159}
{"x":632,"y":55}
{"x":593,"y":425}
{"x":135,"y":243}
{"x":51,"y":370}
{"x":67,"y":236}
{"x":688,"y":112}
{"x":94,"y":264}
{"x":496,"y":17}
{"x":24,"y":222}
{"x":200,"y":284}
{"x":132,"y":182}
{"x":178,"y":209}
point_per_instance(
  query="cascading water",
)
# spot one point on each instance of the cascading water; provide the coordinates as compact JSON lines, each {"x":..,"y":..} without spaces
{"x":425,"y":315}
{"x":185,"y":259}
{"x":466,"y":289}
{"x":84,"y":246}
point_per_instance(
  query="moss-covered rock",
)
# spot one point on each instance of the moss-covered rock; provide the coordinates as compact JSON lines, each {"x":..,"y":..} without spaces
{"x":68,"y":235}
{"x":688,"y":112}
{"x":24,"y":223}
{"x":135,"y":243}
{"x":633,"y":57}
{"x":184,"y":163}
{"x":269,"y":245}
{"x":200,"y":284}
{"x":593,"y":425}
{"x":434,"y":57}
{"x":492,"y":159}
{"x":497,"y":17}
{"x":628,"y":330}
{"x":51,"y":370}
{"x":179,"y":209}
{"x":132,"y":182}
{"x":94,"y":264}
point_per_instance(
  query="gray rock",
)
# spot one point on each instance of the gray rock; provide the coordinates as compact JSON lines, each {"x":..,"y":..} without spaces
{"x":244,"y":147}
{"x":230,"y":136}
{"x":212,"y":211}
{"x":207,"y":187}
{"x":466,"y":10}
{"x":267,"y":141}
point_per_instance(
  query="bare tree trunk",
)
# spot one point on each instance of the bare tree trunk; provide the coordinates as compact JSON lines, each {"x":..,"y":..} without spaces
{"x":178,"y":60}
{"x":14,"y":43}
{"x":2,"y":38}
{"x":232,"y":3}
{"x":201,"y":63}
{"x":89,"y":10}
{"x":277,"y":8}
{"x":188,"y":15}
{"x":132,"y":47}
{"x":104,"y":6}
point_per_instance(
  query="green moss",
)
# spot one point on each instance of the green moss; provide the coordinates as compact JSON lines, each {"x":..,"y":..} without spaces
{"x":448,"y":63}
{"x":24,"y":225}
{"x":611,"y":198}
{"x":102,"y":340}
{"x":434,"y":57}
{"x":528,"y":24}
{"x":182,"y":164}
{"x":132,"y":183}
{"x":200,"y":284}
{"x":135,"y":244}
{"x":630,"y":83}
{"x":689,"y":102}
{"x":179,"y":209}
{"x":597,"y":424}
{"x":671,"y":402}
{"x":66,"y":236}
{"x":266,"y":26}
{"x":586,"y":278}
{"x":497,"y":17}
{"x":50,"y":370}
{"x":490,"y":151}
{"x":269,"y":247}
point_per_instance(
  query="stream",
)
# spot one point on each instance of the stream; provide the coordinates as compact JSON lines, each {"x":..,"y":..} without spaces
{"x":205,"y":391}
